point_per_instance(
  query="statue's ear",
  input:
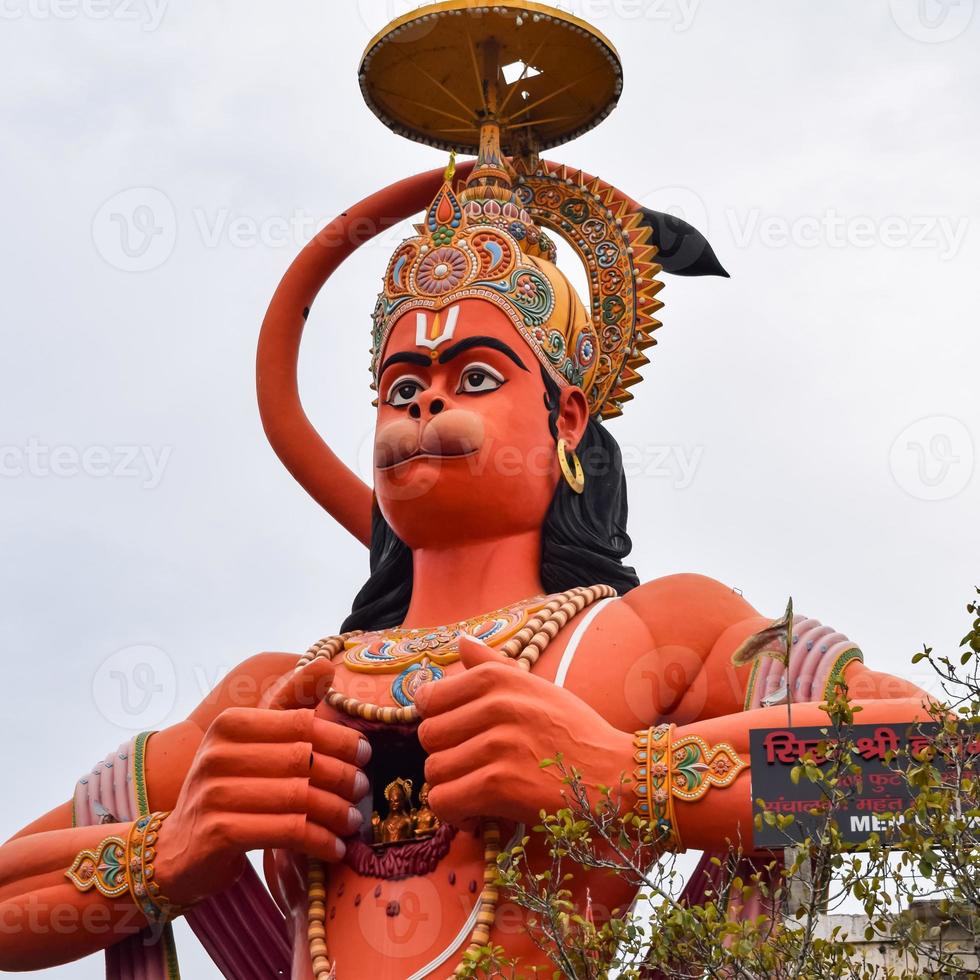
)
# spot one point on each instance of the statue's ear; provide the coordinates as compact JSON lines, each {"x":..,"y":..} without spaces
{"x":682,"y":249}
{"x":573,"y":415}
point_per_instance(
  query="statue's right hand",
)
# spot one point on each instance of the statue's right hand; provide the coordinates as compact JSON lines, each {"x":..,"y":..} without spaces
{"x":274,"y":776}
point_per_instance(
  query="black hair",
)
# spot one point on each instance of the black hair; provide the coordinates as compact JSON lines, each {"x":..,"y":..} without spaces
{"x":583,"y":538}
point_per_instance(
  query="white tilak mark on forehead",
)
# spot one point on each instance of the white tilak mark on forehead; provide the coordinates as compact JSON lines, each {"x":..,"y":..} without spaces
{"x":432,"y":338}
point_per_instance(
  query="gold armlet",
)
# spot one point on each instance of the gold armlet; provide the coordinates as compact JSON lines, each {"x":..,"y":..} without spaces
{"x":118,"y":866}
{"x":103,"y":869}
{"x":684,"y":769}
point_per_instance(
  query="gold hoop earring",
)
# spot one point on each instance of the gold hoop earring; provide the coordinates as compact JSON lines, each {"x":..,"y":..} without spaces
{"x":575,"y":480}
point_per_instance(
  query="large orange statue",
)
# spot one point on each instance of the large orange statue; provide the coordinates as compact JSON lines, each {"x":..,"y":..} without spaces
{"x":499,"y":625}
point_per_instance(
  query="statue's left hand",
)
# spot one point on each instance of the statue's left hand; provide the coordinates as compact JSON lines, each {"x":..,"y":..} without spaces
{"x":487,"y":730}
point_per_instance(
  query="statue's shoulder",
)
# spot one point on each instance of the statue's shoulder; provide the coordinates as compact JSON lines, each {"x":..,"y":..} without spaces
{"x":688,"y":610}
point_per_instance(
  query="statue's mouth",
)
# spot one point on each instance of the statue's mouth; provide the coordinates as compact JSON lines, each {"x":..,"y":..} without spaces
{"x":452,"y":434}
{"x":391,"y":846}
{"x":420,"y":454}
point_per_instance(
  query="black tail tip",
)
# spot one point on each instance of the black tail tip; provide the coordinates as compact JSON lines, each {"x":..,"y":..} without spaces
{"x":682,"y":249}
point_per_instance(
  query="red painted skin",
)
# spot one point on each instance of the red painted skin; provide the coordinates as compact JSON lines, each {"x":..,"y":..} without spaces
{"x":236,"y":773}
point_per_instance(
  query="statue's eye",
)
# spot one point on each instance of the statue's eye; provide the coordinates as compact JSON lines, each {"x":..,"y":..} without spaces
{"x":404,"y":390}
{"x":478,"y":379}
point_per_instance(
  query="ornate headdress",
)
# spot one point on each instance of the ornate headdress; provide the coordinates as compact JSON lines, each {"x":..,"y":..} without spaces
{"x":405,"y":785}
{"x":485,"y":243}
{"x":503,"y":82}
{"x":483,"y":248}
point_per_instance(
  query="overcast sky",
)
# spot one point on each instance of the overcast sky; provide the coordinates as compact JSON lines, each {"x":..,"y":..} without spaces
{"x":807,"y":427}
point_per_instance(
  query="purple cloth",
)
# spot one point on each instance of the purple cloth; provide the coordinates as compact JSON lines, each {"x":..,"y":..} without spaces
{"x":243,"y":931}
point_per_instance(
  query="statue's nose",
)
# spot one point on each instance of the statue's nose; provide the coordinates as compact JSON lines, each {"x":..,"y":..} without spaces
{"x":433,"y":407}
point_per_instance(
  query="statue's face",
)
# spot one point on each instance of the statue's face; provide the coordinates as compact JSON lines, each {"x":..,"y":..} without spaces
{"x":397,"y":798}
{"x":463,"y":450}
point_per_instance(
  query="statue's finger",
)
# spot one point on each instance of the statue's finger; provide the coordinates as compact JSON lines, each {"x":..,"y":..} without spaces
{"x":304,"y":687}
{"x":474,"y":652}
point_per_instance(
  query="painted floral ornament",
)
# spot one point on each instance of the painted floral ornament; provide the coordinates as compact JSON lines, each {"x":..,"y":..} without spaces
{"x":103,"y":869}
{"x":418,"y":655}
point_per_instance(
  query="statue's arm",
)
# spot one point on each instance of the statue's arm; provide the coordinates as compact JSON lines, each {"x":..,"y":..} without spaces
{"x":487,"y":729}
{"x":696,"y":624}
{"x":700,"y":623}
{"x":236,"y":776}
{"x":727,"y":813}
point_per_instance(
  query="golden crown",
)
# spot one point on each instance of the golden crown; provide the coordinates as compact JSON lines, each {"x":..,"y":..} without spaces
{"x":487,"y":242}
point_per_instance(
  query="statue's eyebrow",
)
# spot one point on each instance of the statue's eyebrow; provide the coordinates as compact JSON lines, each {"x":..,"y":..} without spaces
{"x":406,"y":357}
{"x":468,"y":343}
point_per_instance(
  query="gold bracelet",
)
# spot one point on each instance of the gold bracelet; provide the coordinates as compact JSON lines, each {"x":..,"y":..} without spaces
{"x":141,"y":853}
{"x":652,"y":776}
{"x":684,"y":769}
{"x":119,"y":866}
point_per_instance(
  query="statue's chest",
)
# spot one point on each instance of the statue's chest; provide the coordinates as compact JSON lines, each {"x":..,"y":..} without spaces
{"x":412,"y":879}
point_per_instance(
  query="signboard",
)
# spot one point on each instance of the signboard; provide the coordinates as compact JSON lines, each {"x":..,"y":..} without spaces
{"x":880,"y":789}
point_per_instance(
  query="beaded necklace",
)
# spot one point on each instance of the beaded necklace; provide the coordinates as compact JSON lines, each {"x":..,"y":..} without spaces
{"x":540,"y":622}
